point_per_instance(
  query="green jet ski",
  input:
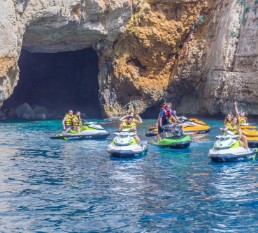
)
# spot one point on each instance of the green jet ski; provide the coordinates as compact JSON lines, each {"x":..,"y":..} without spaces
{"x":88,"y":131}
{"x":174,"y":138}
{"x":228,"y":149}
{"x":124,"y":145}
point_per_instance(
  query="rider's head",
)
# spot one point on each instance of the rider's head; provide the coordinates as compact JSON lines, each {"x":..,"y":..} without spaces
{"x":70,"y":112}
{"x":235,"y":121}
{"x":229,"y":117}
{"x":242,"y":113}
{"x":169,"y":106}
{"x":78,"y":113}
{"x":129,"y":119}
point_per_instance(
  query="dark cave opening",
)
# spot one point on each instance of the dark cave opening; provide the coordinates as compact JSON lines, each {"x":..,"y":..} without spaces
{"x":151,"y":112}
{"x":58,"y":82}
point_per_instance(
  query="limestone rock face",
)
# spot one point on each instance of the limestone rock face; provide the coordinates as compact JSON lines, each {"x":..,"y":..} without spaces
{"x":61,"y":25}
{"x":199,"y":54}
{"x":55,"y":26}
{"x":146,"y":57}
{"x":9,"y":52}
{"x":233,"y":71}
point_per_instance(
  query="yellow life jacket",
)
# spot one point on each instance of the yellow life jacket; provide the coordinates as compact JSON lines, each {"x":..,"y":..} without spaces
{"x":133,"y":121}
{"x":228,"y":125}
{"x":77,"y":121}
{"x":128,"y":127}
{"x":233,"y":129}
{"x":242,"y":120}
{"x":69,"y":120}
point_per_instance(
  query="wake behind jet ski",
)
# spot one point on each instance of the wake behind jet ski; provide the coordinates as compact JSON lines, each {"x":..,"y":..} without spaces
{"x":227,"y":148}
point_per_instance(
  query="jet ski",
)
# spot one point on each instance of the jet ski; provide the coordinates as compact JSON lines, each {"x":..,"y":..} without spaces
{"x":195,"y":126}
{"x":90,"y":130}
{"x":227,"y":149}
{"x":124,"y":145}
{"x":251,"y":133}
{"x":174,"y":138}
{"x":190,"y":126}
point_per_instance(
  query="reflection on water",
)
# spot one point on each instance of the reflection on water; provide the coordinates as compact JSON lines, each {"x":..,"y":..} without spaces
{"x":74,"y":186}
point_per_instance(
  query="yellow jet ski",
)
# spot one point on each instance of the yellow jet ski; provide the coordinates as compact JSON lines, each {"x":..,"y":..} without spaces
{"x":189,"y":126}
{"x":251,"y":133}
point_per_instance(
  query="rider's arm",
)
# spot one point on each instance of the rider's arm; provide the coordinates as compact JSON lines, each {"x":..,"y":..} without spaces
{"x":174,"y":119}
{"x":175,"y":116}
{"x":236,"y":109}
{"x":63,"y":122}
{"x":120,"y":127}
{"x":157,"y":121}
{"x":139,"y":121}
{"x":225,"y":127}
{"x":160,"y":117}
{"x":123,"y":118}
{"x":160,"y":121}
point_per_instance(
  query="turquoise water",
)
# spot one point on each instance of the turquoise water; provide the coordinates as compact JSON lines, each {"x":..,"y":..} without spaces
{"x":74,"y":186}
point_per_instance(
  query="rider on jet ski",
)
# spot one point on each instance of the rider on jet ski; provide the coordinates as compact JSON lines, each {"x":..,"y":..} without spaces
{"x":77,"y":122}
{"x":232,"y":124}
{"x":165,"y":116}
{"x":68,"y":121}
{"x":241,"y":115}
{"x":128,"y":124}
{"x":136,"y":118}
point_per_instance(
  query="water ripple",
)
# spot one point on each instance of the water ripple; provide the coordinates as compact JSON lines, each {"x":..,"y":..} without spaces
{"x":74,"y":186}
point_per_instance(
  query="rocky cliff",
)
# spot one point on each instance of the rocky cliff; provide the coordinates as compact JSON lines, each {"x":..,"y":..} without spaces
{"x":200,"y":54}
{"x":55,"y":26}
{"x":233,"y":70}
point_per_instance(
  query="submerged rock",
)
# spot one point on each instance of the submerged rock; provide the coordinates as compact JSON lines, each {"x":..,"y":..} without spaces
{"x":40,"y":112}
{"x":25,"y":111}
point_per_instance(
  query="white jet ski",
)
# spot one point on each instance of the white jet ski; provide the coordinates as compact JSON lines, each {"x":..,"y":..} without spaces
{"x":227,"y":149}
{"x":90,"y":130}
{"x":125,"y":146}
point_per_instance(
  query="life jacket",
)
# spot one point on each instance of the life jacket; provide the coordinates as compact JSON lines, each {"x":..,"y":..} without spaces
{"x":133,"y":121}
{"x":242,"y":120}
{"x":128,"y":127}
{"x":69,"y":120}
{"x":233,"y":129}
{"x":228,"y":125}
{"x":77,"y":121}
{"x":167,"y":115}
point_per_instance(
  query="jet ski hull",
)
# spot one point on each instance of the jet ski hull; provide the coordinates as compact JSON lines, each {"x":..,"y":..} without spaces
{"x":232,"y":155}
{"x":252,"y":144}
{"x":174,"y":143}
{"x":85,"y":135}
{"x":129,"y":151}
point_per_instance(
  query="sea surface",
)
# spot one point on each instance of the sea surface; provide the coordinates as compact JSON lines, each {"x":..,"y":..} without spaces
{"x":74,"y":186}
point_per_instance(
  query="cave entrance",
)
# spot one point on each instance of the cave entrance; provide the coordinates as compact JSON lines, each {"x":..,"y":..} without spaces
{"x":58,"y":82}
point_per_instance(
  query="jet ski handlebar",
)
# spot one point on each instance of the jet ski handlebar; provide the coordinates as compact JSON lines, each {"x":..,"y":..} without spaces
{"x":172,"y":127}
{"x":125,"y":133}
{"x":228,"y":135}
